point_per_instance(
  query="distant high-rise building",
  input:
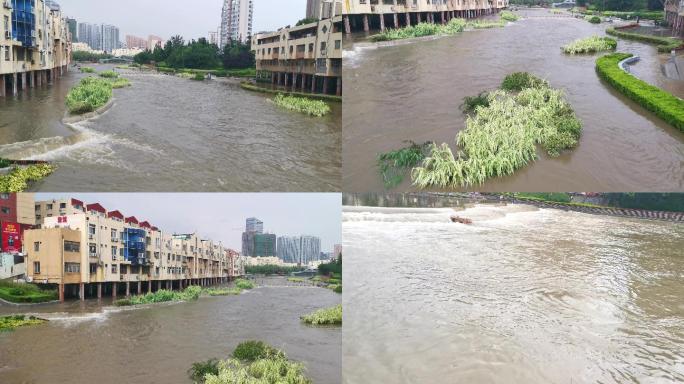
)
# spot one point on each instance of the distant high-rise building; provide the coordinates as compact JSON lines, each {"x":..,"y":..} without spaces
{"x":236,"y":21}
{"x":90,"y":34}
{"x":337,"y":251}
{"x":135,"y":42}
{"x":110,"y":38}
{"x":72,"y":25}
{"x":313,"y":9}
{"x":213,"y":37}
{"x":323,"y":9}
{"x":299,"y":249}
{"x":254,"y":225}
{"x":154,"y":41}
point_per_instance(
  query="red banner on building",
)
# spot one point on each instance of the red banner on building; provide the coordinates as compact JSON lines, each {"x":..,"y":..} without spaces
{"x":11,"y":237}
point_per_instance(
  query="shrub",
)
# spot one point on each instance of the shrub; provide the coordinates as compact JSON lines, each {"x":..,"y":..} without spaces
{"x":664,"y":44}
{"x":654,"y":99}
{"x":327,"y":316}
{"x":470,"y":103}
{"x":265,"y":371}
{"x":338,"y":289}
{"x":253,"y":350}
{"x":87,"y":70}
{"x":486,"y":24}
{"x":305,"y":105}
{"x":222,"y":291}
{"x":190,"y":293}
{"x":18,"y":179}
{"x":508,"y":16}
{"x":453,"y":27}
{"x":244,"y":284}
{"x":590,"y":45}
{"x":198,"y":77}
{"x":109,"y":74}
{"x":394,"y":163}
{"x":4,"y":163}
{"x":90,"y":94}
{"x":593,"y":19}
{"x":201,"y":369}
{"x":9,"y":323}
{"x":520,"y":80}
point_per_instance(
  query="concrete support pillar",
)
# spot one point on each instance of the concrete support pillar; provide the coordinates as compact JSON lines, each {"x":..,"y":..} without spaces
{"x":115,"y":287}
{"x":15,"y":91}
{"x":81,"y":291}
{"x":149,"y":286}
{"x":366,"y":28}
{"x":139,"y":287}
{"x":32,"y":79}
{"x":339,"y":87}
{"x":443,"y":18}
{"x":2,"y":85}
{"x":325,"y":84}
{"x":396,"y":20}
{"x":418,"y":17}
{"x":408,"y":19}
{"x":23,"y":81}
{"x":60,"y":288}
{"x":128,"y":288}
{"x":313,"y":83}
{"x":99,"y":291}
{"x":382,"y":22}
{"x":347,"y":27}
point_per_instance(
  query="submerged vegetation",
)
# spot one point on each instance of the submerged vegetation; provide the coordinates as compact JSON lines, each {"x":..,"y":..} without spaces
{"x":24,"y":293}
{"x":654,"y":99}
{"x":87,"y":70}
{"x":244,"y":284}
{"x":508,"y":16}
{"x":470,"y":103}
{"x":305,"y":105}
{"x":326,"y":316}
{"x":252,"y":362}
{"x":90,"y":94}
{"x":590,"y":45}
{"x":502,"y":137}
{"x":394,"y":164}
{"x":120,"y":83}
{"x":190,"y":293}
{"x":593,"y":19}
{"x":665,"y":44}
{"x":222,"y":291}
{"x":109,"y":74}
{"x":18,"y":179}
{"x":10,"y":323}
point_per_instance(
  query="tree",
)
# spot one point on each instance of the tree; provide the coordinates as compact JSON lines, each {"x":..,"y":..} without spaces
{"x":307,"y":20}
{"x":238,"y":56}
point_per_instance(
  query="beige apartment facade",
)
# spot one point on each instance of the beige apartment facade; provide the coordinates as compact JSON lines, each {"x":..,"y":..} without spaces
{"x":364,"y":15}
{"x":304,"y":58}
{"x":94,"y":252}
{"x":35,"y":45}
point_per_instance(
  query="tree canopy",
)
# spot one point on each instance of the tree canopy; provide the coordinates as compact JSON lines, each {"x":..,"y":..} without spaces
{"x":198,"y":54}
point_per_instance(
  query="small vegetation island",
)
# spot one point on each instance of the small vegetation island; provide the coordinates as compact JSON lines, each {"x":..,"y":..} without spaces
{"x":10,"y":323}
{"x":503,"y":129}
{"x":453,"y":27}
{"x":252,"y":362}
{"x":326,"y":316}
{"x":304,"y":105}
{"x":92,"y":93}
{"x":190,"y":293}
{"x":590,"y":45}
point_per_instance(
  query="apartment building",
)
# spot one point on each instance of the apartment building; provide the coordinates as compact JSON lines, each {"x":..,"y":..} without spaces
{"x":304,"y":58}
{"x":236,"y":21}
{"x":88,"y":251}
{"x":364,"y":15}
{"x":35,"y":44}
{"x":17,"y":208}
{"x":674,"y":15}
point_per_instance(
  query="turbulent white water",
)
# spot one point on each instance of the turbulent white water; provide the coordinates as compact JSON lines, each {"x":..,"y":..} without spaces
{"x":521,"y":296}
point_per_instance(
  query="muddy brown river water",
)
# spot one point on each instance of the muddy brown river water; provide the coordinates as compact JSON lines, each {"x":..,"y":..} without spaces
{"x":521,"y":296}
{"x":410,"y":90}
{"x":94,"y":342}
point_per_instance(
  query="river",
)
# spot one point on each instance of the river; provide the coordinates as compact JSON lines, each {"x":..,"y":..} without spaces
{"x":524,"y":295}
{"x":172,"y":134}
{"x":412,"y":90}
{"x":94,"y":342}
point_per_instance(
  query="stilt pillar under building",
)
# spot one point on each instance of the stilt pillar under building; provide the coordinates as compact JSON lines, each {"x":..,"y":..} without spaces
{"x":139,"y":287}
{"x":2,"y":85}
{"x":14,"y":84}
{"x":338,"y":92}
{"x":60,"y":288}
{"x":114,"y":289}
{"x":128,"y":288}
{"x":325,"y":85}
{"x":408,"y":19}
{"x":99,"y":291}
{"x":347,"y":26}
{"x":81,"y":291}
{"x":382,"y":22}
{"x":366,"y":28}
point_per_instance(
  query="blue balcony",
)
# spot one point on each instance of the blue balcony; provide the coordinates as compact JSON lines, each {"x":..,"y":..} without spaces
{"x":23,"y":22}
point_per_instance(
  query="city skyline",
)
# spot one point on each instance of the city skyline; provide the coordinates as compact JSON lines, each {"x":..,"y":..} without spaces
{"x":316,"y":214}
{"x":189,"y":22}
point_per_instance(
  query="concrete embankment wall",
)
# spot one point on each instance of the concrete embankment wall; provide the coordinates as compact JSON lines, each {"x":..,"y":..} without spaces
{"x":676,"y":217}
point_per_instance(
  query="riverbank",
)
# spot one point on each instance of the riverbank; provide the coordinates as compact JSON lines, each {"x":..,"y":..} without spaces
{"x":10,"y":323}
{"x":16,"y":293}
{"x":316,"y":96}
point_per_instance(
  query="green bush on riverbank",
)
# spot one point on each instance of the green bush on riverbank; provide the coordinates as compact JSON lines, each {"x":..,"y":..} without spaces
{"x":87,"y":70}
{"x":109,"y":74}
{"x":326,"y":316}
{"x":663,"y":104}
{"x":304,"y":105}
{"x":18,"y":179}
{"x":190,"y":293}
{"x":24,"y":293}
{"x":503,"y":136}
{"x":664,"y":44}
{"x":590,"y":45}
{"x":120,"y":83}
{"x":508,"y":16}
{"x":244,"y":284}
{"x":394,"y":164}
{"x":593,"y":19}
{"x":10,"y":323}
{"x":90,"y":94}
{"x":222,"y":291}
{"x":271,"y":269}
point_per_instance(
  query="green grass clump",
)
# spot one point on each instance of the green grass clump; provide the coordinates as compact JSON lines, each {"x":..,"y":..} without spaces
{"x":486,"y":24}
{"x":244,"y":284}
{"x":295,"y":279}
{"x":554,"y":197}
{"x":264,"y":371}
{"x":198,"y":77}
{"x":18,"y":179}
{"x":10,"y":323}
{"x":120,"y":83}
{"x":338,"y":289}
{"x":25,"y":293}
{"x":327,"y":316}
{"x":664,"y":44}
{"x":253,"y":350}
{"x":305,"y":105}
{"x":627,"y":15}
{"x":90,"y":94}
{"x":590,"y":45}
{"x":188,"y":294}
{"x":109,"y":74}
{"x":508,"y":16}
{"x":87,"y":70}
{"x":222,"y":291}
{"x":668,"y":107}
{"x":4,"y":163}
{"x":394,"y":164}
{"x":453,"y":27}
{"x":521,"y":80}
{"x":201,"y":369}
{"x":503,"y":136}
{"x":593,"y":19}
{"x":470,"y":103}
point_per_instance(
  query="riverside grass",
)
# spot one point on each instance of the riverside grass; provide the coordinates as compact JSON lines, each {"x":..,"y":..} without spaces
{"x":590,"y":44}
{"x":222,"y":291}
{"x":326,"y":316}
{"x":25,"y":293}
{"x":10,"y":323}
{"x":508,"y":16}
{"x":90,"y":94}
{"x":244,"y":284}
{"x":453,"y":27}
{"x":503,"y":136}
{"x":654,"y":99}
{"x":87,"y":70}
{"x":18,"y":179}
{"x":304,"y":105}
{"x":109,"y":74}
{"x":190,"y":293}
{"x":664,"y":44}
{"x":394,"y":164}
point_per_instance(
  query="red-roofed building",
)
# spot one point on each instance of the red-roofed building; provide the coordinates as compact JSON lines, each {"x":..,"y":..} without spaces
{"x":145,"y":224}
{"x":116,"y":215}
{"x":96,"y":207}
{"x":131,"y":220}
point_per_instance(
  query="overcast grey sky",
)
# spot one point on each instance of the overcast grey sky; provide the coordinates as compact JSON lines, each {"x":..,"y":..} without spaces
{"x":166,"y":18}
{"x":221,"y":217}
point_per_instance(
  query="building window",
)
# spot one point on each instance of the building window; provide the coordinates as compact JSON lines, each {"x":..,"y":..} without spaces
{"x":113,"y":253}
{"x":93,"y":269}
{"x":115,"y":268}
{"x":36,"y":246}
{"x":72,"y":267}
{"x":5,"y":210}
{"x":4,"y":196}
{"x":72,"y":246}
{"x":48,"y":207}
{"x":92,"y":248}
{"x":62,"y":206}
{"x":36,"y":267}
